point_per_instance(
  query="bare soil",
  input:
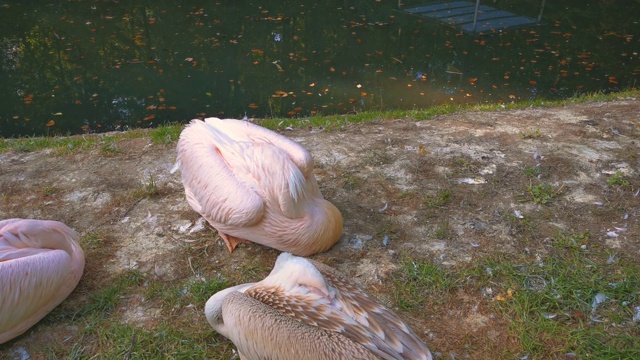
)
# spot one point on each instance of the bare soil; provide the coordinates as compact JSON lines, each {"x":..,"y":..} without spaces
{"x":452,"y":190}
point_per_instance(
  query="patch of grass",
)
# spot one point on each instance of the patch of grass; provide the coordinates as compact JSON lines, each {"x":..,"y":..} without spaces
{"x":577,"y":299}
{"x":71,"y":144}
{"x":166,"y":134}
{"x":461,"y":163}
{"x":30,"y":144}
{"x":377,"y":158}
{"x":201,"y":291}
{"x":194,"y":291}
{"x":336,"y":121}
{"x":553,"y":309}
{"x":147,"y":189}
{"x":110,"y":148}
{"x":420,"y":281}
{"x":91,"y":240}
{"x":542,"y":193}
{"x":531,"y":171}
{"x":63,"y":145}
{"x":351,"y":182}
{"x":406,"y":194}
{"x":618,"y":179}
{"x":49,"y":190}
{"x":532,"y":134}
{"x":165,"y":341}
{"x":106,"y":299}
{"x":443,"y":231}
{"x":441,"y":199}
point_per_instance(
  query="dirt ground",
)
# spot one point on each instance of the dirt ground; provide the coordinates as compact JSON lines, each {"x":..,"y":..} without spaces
{"x":386,"y":178}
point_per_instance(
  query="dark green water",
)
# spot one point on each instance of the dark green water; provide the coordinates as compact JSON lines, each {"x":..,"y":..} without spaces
{"x":92,"y":66}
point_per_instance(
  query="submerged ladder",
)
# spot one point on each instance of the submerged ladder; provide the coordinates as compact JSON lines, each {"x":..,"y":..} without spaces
{"x":472,"y":18}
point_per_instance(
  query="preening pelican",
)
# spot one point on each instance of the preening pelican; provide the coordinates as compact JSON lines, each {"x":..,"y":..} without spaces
{"x":252,"y":184}
{"x":307,"y":310}
{"x":40,"y":265}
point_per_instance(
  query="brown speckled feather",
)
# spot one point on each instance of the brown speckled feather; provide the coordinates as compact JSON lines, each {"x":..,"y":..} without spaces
{"x":346,"y":310}
{"x":269,"y":334}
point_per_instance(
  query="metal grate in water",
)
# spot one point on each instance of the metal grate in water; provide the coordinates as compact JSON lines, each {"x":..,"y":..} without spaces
{"x":470,"y":17}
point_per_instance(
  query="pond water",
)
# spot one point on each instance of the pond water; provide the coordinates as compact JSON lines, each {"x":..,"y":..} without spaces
{"x":92,"y":66}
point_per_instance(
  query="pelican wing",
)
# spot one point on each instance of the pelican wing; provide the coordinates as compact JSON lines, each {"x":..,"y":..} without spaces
{"x":261,"y":332}
{"x":317,"y":295}
{"x":386,"y":325}
{"x":40,"y":264}
{"x":283,"y":167}
{"x":246,"y":131}
{"x":212,"y":187}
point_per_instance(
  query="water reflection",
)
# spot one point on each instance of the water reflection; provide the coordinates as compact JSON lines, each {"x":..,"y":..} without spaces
{"x":86,"y":66}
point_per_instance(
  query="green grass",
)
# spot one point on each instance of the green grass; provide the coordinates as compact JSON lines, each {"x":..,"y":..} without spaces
{"x":195,"y":291}
{"x":531,"y":171}
{"x":533,"y":134}
{"x":418,"y":281}
{"x":91,"y":240}
{"x":542,"y":193}
{"x":443,"y":231}
{"x":551,"y":309}
{"x":165,"y":341}
{"x":441,"y":199}
{"x":147,"y":189}
{"x":169,"y":133}
{"x":618,"y":179}
{"x":106,"y":299}
{"x":201,"y":291}
{"x":166,"y":134}
{"x":103,"y":333}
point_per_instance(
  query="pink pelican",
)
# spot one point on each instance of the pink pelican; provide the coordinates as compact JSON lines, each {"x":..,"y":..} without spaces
{"x":252,"y":184}
{"x":307,"y":310}
{"x":40,"y":265}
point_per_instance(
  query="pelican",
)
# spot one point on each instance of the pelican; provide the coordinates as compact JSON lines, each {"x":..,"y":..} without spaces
{"x":307,"y":310}
{"x":40,"y":265}
{"x":254,"y":185}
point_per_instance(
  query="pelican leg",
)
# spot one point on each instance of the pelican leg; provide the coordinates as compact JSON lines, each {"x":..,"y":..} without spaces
{"x":232,"y":241}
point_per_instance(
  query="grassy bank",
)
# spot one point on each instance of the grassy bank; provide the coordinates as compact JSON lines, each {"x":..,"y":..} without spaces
{"x":169,"y":133}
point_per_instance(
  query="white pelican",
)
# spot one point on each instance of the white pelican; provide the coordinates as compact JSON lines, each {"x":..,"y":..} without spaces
{"x":40,"y":265}
{"x":252,"y":184}
{"x":307,"y":310}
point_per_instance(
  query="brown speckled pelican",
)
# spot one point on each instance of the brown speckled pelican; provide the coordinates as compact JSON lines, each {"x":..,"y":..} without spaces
{"x":252,"y":184}
{"x":40,"y":265}
{"x":307,"y":310}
